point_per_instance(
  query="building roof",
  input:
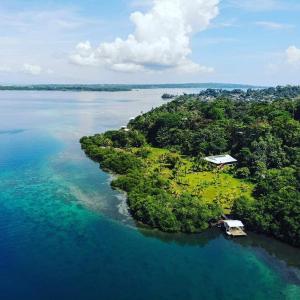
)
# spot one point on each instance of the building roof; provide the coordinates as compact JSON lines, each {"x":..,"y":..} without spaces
{"x":234,"y":223}
{"x":221,"y":159}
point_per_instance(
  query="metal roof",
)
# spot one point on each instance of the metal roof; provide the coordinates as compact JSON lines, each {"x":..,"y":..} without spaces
{"x":221,"y":159}
{"x":234,"y":223}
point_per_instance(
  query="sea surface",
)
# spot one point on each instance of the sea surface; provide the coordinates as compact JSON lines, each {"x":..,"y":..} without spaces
{"x":65,"y":234}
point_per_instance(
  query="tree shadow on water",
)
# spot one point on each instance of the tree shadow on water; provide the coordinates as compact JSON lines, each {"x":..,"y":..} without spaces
{"x":279,"y":256}
{"x":182,"y":239}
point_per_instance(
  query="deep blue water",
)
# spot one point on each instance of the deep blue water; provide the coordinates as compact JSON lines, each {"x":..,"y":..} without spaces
{"x":65,"y":234}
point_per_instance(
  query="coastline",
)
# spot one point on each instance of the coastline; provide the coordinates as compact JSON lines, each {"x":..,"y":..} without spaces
{"x":174,"y":189}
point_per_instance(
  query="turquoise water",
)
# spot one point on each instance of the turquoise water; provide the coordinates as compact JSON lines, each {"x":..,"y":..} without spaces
{"x":64,"y":234}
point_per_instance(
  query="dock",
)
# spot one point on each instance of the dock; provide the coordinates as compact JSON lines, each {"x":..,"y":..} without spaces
{"x":236,"y":232}
{"x":234,"y":228}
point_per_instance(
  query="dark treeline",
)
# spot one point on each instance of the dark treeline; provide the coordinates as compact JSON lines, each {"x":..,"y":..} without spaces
{"x":114,"y":87}
{"x":66,"y":88}
{"x":266,"y":94}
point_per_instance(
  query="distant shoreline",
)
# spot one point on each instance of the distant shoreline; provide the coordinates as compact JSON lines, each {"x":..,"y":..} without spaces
{"x":120,"y":87}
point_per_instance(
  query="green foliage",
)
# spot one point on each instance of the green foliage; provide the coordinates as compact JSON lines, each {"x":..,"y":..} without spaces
{"x":259,"y":127}
{"x":150,"y":196}
{"x":276,"y":180}
{"x":277,"y":209}
{"x":115,"y":138}
{"x":143,"y":152}
{"x":243,"y":173}
{"x":170,"y":160}
{"x":123,"y":139}
{"x":152,"y":204}
{"x":121,"y":162}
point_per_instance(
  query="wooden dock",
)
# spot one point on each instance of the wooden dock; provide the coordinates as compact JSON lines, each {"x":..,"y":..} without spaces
{"x":234,"y":228}
{"x":236,"y":232}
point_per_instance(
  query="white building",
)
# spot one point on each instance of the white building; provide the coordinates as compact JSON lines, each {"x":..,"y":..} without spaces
{"x":224,"y":159}
{"x":124,"y":128}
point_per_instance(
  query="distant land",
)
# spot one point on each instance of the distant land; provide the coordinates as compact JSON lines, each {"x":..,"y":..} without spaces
{"x":120,"y":87}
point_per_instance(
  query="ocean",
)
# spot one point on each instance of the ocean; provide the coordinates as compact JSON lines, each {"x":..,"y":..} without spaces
{"x":65,"y":234}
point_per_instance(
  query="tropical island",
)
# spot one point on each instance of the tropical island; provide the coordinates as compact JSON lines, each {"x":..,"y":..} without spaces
{"x":160,"y":160}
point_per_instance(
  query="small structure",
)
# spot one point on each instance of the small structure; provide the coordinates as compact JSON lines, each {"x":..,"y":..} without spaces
{"x":124,"y":128}
{"x":221,"y":160}
{"x":234,"y":228}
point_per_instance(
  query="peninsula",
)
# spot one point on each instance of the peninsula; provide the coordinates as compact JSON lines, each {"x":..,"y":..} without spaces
{"x":161,"y":161}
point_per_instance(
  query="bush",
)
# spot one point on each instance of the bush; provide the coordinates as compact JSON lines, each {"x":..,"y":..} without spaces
{"x":276,"y":210}
{"x":121,"y":162}
{"x":170,"y":160}
{"x":143,"y":152}
{"x":243,"y":173}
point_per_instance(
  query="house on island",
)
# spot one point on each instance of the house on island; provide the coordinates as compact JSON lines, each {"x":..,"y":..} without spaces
{"x":221,"y":160}
{"x":234,"y":228}
{"x":124,"y":128}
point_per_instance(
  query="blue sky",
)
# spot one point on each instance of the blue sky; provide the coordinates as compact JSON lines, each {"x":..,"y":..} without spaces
{"x":237,"y":41}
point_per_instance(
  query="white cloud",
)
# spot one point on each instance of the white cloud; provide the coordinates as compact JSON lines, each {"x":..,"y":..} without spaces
{"x":161,"y":39}
{"x":27,"y":69}
{"x":85,"y":55}
{"x":32,"y":69}
{"x":273,"y":25}
{"x":127,"y":67}
{"x":292,"y":55}
{"x":285,"y":62}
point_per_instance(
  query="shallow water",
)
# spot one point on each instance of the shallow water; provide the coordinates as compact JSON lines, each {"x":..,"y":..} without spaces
{"x":65,"y":234}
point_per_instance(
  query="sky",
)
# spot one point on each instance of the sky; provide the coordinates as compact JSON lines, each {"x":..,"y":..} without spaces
{"x":150,"y":41}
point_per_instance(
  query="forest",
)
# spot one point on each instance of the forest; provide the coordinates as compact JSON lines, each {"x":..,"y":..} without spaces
{"x":161,"y":166}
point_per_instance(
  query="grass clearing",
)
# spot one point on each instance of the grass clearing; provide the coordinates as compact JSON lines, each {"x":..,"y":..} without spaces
{"x":216,"y":185}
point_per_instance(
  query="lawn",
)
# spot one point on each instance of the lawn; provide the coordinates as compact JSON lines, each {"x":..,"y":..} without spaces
{"x":216,"y":185}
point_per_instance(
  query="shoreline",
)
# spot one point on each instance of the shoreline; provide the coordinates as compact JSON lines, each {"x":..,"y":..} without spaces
{"x":164,"y":162}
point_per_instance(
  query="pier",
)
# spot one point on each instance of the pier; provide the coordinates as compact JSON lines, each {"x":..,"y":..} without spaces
{"x":234,"y":228}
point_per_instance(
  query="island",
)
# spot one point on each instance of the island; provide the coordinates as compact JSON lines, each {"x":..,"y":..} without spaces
{"x":173,"y":161}
{"x":115,"y":87}
{"x":67,"y":87}
{"x":168,"y":96}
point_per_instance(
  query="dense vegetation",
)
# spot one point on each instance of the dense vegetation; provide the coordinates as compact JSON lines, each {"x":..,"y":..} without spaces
{"x":266,"y":94}
{"x":263,"y":135}
{"x":162,"y":189}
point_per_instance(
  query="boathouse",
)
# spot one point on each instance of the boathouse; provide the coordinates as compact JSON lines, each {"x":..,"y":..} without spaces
{"x":234,"y":228}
